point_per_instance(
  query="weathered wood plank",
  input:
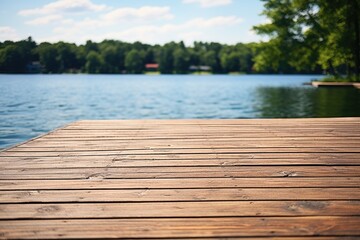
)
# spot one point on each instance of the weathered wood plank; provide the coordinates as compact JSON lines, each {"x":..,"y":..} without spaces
{"x":82,"y":145}
{"x":208,"y":156}
{"x":292,"y":150}
{"x":151,"y":195}
{"x":183,"y":146}
{"x":181,"y":183}
{"x":179,"y":209}
{"x":182,"y":227}
{"x":183,"y":138}
{"x":76,"y":162}
{"x":182,"y":172}
{"x":230,"y":134}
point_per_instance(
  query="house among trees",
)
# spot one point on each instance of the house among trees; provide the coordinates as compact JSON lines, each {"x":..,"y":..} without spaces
{"x":34,"y":67}
{"x":204,"y":68}
{"x":152,"y":67}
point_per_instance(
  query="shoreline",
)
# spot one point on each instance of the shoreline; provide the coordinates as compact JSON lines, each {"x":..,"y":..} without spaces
{"x":167,"y":74}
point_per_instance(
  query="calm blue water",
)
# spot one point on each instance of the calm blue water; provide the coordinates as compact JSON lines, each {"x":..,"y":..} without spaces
{"x":34,"y":104}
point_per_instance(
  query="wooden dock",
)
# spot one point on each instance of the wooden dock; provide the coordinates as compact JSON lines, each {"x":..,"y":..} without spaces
{"x":178,"y":179}
{"x":335,"y":84}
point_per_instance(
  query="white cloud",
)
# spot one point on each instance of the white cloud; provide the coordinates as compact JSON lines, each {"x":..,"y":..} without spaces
{"x":112,"y":19}
{"x":209,"y":3}
{"x":44,"y":20}
{"x":63,"y":6}
{"x":214,"y":22}
{"x":73,"y":29}
{"x":68,"y":21}
{"x":196,"y":23}
{"x":188,"y":31}
{"x":142,"y":13}
{"x":8,"y":33}
{"x":197,"y":29}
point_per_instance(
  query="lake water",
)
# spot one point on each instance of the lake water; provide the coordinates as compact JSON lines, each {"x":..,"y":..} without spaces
{"x":34,"y":104}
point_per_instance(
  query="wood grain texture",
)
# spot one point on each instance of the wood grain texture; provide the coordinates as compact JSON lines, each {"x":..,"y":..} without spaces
{"x":180,"y":172}
{"x":179,"y":209}
{"x":180,"y":183}
{"x":158,"y":195}
{"x":185,"y":179}
{"x":182,"y":227}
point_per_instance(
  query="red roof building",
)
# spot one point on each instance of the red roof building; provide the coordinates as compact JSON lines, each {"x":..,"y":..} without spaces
{"x":152,"y":66}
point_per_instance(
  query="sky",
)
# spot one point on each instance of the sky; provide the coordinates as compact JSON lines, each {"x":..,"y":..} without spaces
{"x":147,"y":21}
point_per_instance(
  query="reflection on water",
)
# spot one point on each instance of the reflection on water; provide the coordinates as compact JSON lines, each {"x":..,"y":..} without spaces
{"x":34,"y":104}
{"x":337,"y":102}
{"x":286,"y":102}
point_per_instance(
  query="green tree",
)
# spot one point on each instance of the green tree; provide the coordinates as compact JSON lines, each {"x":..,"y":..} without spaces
{"x":14,"y":56}
{"x":340,"y":22}
{"x":91,"y":46}
{"x":94,"y":62}
{"x":134,"y":62}
{"x":9,"y":59}
{"x":305,"y":33}
{"x":195,"y":57}
{"x":67,"y":56}
{"x":181,"y":60}
{"x":286,"y":34}
{"x":166,"y":58}
{"x":48,"y":56}
{"x":114,"y":58}
{"x":209,"y":58}
{"x":230,"y":61}
{"x":245,"y":57}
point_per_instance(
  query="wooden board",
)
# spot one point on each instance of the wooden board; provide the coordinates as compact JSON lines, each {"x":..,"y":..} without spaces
{"x":333,"y":84}
{"x":185,"y":179}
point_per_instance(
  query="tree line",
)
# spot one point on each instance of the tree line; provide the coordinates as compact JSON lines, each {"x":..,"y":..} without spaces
{"x":111,"y":56}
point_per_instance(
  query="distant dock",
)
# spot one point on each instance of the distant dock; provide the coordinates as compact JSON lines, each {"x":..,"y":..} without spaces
{"x":335,"y":84}
{"x":179,"y":179}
